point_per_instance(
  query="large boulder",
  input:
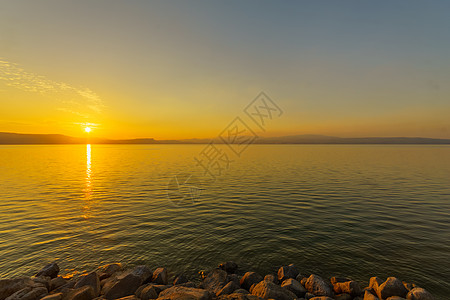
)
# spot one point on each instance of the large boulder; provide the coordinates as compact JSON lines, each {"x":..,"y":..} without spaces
{"x":215,"y":281}
{"x":229,"y":288}
{"x":418,"y":293}
{"x":374,"y":283}
{"x":344,"y":296}
{"x":391,"y":287}
{"x":147,"y":292}
{"x":108,"y":270}
{"x":286,"y":272}
{"x":57,"y":282}
{"x":249,"y":279}
{"x":29,"y":293}
{"x":10,"y":286}
{"x":90,"y":279}
{"x":269,"y":290}
{"x":271,"y":278}
{"x":144,"y":273}
{"x":319,"y":287}
{"x":123,"y":285}
{"x":184,"y":293}
{"x":160,"y":276}
{"x":349,"y":287}
{"x":51,"y":270}
{"x":369,"y":296}
{"x":229,"y":266}
{"x":180,"y":279}
{"x":83,"y":293}
{"x":294,"y":286}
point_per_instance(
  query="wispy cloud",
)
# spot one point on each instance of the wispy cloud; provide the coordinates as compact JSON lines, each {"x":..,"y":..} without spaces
{"x":80,"y":101}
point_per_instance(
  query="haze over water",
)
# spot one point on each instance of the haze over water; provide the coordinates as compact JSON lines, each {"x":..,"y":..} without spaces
{"x":351,"y":210}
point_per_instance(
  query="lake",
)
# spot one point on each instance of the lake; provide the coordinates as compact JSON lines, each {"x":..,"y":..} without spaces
{"x":351,"y":210}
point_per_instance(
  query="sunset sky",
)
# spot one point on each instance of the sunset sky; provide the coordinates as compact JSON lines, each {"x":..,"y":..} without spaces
{"x":181,"y":69}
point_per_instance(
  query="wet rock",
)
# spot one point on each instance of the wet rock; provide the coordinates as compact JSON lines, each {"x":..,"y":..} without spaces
{"x":309,"y":296}
{"x":369,"y":296}
{"x":303,"y":281}
{"x":300,"y":277}
{"x":188,"y":284}
{"x":286,"y":272}
{"x":349,"y":287}
{"x":343,"y":297}
{"x":238,"y":296}
{"x":57,"y":282}
{"x":124,"y":285}
{"x":294,"y":286}
{"x":374,"y":283}
{"x":240,"y":291}
{"x":391,"y":287}
{"x":132,"y":297}
{"x":57,"y":296}
{"x":184,"y":293}
{"x":160,"y":276}
{"x":418,"y":293}
{"x":267,"y":290}
{"x":249,"y":279}
{"x":10,"y":286}
{"x":229,"y":266}
{"x":235,"y":278}
{"x":147,"y":292}
{"x":108,"y":270}
{"x":336,"y":279}
{"x":321,"y":298}
{"x":144,"y":273}
{"x":51,"y":270}
{"x":83,"y":293}
{"x":395,"y":298}
{"x":29,"y":293}
{"x":41,"y":281}
{"x":179,"y":279}
{"x":317,"y":286}
{"x":215,"y":281}
{"x":229,"y":288}
{"x":271,"y":278}
{"x":92,"y":279}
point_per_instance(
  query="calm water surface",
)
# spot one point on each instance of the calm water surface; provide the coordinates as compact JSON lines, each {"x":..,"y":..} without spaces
{"x":356,"y":210}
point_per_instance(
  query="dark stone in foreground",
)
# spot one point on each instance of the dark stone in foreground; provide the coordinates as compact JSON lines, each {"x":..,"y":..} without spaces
{"x":418,"y":293}
{"x":51,"y":270}
{"x":286,"y":272}
{"x":269,"y":290}
{"x":317,"y":286}
{"x":249,"y":279}
{"x":91,"y":280}
{"x":391,"y":287}
{"x":215,"y":281}
{"x":184,"y":293}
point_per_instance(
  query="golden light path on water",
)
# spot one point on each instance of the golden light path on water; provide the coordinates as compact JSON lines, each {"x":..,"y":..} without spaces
{"x":88,"y":184}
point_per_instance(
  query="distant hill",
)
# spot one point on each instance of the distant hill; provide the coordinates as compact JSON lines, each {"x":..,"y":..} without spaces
{"x":8,"y":138}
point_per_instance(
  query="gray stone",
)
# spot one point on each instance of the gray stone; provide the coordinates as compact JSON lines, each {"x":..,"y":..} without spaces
{"x":286,"y":272}
{"x":160,"y":276}
{"x":144,"y":273}
{"x":249,"y":279}
{"x":215,"y":281}
{"x":294,"y":286}
{"x":317,"y":286}
{"x":391,"y":287}
{"x":92,"y":279}
{"x":50,"y":270}
{"x":267,"y":290}
{"x":229,"y":288}
{"x":229,"y":266}
{"x":57,"y":282}
{"x":10,"y":286}
{"x":418,"y":293}
{"x":184,"y":293}
{"x":29,"y":293}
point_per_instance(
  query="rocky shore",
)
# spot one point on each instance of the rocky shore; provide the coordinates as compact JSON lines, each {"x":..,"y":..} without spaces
{"x":225,"y":282}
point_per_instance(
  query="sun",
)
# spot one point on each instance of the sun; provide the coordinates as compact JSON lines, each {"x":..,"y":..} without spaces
{"x":87,"y":129}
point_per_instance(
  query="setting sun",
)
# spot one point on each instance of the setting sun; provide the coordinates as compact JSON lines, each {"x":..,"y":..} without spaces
{"x":87,"y":129}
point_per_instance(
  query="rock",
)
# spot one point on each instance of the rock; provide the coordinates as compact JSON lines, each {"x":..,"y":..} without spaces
{"x":294,"y":286}
{"x":132,"y":297}
{"x":92,"y":279}
{"x":267,"y":290}
{"x":229,"y":288}
{"x":418,"y":293}
{"x":68,"y":285}
{"x":238,"y":296}
{"x":83,"y":293}
{"x":29,"y":293}
{"x":321,"y":298}
{"x":107,"y":270}
{"x":240,"y":291}
{"x":148,"y":292}
{"x":309,"y":296}
{"x":300,"y":277}
{"x":51,"y":270}
{"x":57,"y":282}
{"x":42,"y":281}
{"x":160,"y":276}
{"x":317,"y":286}
{"x":395,"y":298}
{"x":374,"y":283}
{"x":229,"y":266}
{"x":391,"y":287}
{"x":215,"y":281}
{"x":335,"y":279}
{"x":249,"y":279}
{"x":57,"y":296}
{"x":349,"y":287}
{"x":286,"y":272}
{"x":369,"y":296}
{"x":344,"y":296}
{"x":144,"y":273}
{"x":184,"y":293}
{"x":271,"y":278}
{"x":179,"y":279}
{"x":187,"y":284}
{"x":235,"y":278}
{"x":124,"y":285}
{"x":10,"y":286}
{"x":303,"y":281}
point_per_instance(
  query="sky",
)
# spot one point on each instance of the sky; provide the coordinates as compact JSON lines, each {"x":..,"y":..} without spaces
{"x":184,"y":69}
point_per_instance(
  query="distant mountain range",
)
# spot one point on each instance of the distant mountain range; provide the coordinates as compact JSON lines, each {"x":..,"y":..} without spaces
{"x":8,"y":138}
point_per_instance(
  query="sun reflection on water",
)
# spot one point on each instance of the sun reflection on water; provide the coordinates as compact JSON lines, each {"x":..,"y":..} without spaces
{"x":88,"y":185}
